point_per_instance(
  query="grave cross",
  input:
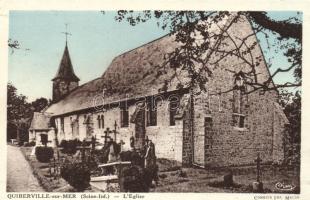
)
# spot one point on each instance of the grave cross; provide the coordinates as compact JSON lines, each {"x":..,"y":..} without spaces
{"x":258,"y":160}
{"x":115,"y":126}
{"x":106,"y":134}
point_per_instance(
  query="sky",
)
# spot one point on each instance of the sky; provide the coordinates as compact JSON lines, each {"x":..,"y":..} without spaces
{"x":96,"y":39}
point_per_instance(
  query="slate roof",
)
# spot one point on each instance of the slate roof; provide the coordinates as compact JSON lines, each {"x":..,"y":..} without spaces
{"x":40,"y":121}
{"x":65,"y":70}
{"x":136,"y":73}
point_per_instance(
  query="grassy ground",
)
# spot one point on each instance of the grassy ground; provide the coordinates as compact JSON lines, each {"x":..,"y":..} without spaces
{"x":200,"y":180}
{"x":42,"y":172}
{"x":173,"y":178}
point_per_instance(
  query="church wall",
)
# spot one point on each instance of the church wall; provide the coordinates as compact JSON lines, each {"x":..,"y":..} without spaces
{"x":227,"y":144}
{"x":167,"y":139}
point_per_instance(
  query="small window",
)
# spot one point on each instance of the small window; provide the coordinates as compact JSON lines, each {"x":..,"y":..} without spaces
{"x":238,"y":120}
{"x":124,"y":116}
{"x":151,"y":113}
{"x":241,"y":121}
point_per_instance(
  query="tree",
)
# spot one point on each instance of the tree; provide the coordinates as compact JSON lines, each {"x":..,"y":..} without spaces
{"x":15,"y":45}
{"x":187,"y":26}
{"x":292,"y":109}
{"x":20,"y":113}
{"x":39,"y":104}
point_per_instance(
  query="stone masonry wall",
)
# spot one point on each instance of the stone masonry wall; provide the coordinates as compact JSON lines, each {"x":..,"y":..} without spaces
{"x":167,"y":139}
{"x":226,"y":144}
{"x":187,"y":154}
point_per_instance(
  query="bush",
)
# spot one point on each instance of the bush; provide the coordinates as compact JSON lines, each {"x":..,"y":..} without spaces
{"x":30,"y":144}
{"x":69,"y":147}
{"x":44,"y":154}
{"x":76,"y":174}
{"x":63,"y":143}
{"x":133,"y":179}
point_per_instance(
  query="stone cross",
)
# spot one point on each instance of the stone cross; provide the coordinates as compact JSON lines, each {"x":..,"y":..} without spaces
{"x":258,"y":160}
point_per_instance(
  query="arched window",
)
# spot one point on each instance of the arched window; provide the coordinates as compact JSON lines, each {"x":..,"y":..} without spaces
{"x":238,"y":101}
{"x":99,"y":122}
{"x":124,"y":115}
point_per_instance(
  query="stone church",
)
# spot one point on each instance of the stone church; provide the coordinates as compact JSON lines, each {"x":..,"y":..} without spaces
{"x":132,"y":98}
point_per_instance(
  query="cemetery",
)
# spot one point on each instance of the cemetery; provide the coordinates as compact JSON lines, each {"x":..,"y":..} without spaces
{"x":81,"y":166}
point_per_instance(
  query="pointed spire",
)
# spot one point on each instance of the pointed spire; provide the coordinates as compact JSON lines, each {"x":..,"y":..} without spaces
{"x":65,"y":70}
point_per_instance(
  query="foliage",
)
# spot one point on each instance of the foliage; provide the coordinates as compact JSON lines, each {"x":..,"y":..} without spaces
{"x":13,"y":44}
{"x":32,"y":143}
{"x":44,"y":154}
{"x":187,"y":26}
{"x":136,"y":178}
{"x":29,"y":144}
{"x":39,"y":104}
{"x":77,"y":174}
{"x":133,"y":179}
{"x":292,"y":109}
{"x":20,"y":112}
{"x":69,"y":146}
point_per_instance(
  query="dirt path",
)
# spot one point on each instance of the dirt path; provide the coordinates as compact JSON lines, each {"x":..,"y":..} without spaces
{"x":19,"y":173}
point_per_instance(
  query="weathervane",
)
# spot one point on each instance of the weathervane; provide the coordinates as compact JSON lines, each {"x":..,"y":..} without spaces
{"x":66,"y":33}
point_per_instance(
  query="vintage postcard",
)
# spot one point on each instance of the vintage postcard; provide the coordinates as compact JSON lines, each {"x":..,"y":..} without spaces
{"x":124,"y":103}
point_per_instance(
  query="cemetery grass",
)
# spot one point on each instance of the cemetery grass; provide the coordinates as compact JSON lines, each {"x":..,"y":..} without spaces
{"x":203,"y":180}
{"x":173,"y":178}
{"x":41,"y":172}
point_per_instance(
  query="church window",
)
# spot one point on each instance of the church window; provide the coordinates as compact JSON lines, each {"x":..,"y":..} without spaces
{"x":238,"y":102}
{"x":99,"y":122}
{"x":151,"y":113}
{"x":124,"y":115}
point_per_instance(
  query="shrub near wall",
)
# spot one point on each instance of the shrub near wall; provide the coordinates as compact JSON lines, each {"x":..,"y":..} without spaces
{"x":77,"y":174}
{"x":69,"y":146}
{"x":44,"y":154}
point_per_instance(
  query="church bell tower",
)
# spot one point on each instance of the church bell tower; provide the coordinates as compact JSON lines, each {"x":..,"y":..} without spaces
{"x":65,"y":80}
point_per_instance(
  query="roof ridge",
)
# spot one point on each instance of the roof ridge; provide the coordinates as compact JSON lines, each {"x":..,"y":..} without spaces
{"x":159,"y":38}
